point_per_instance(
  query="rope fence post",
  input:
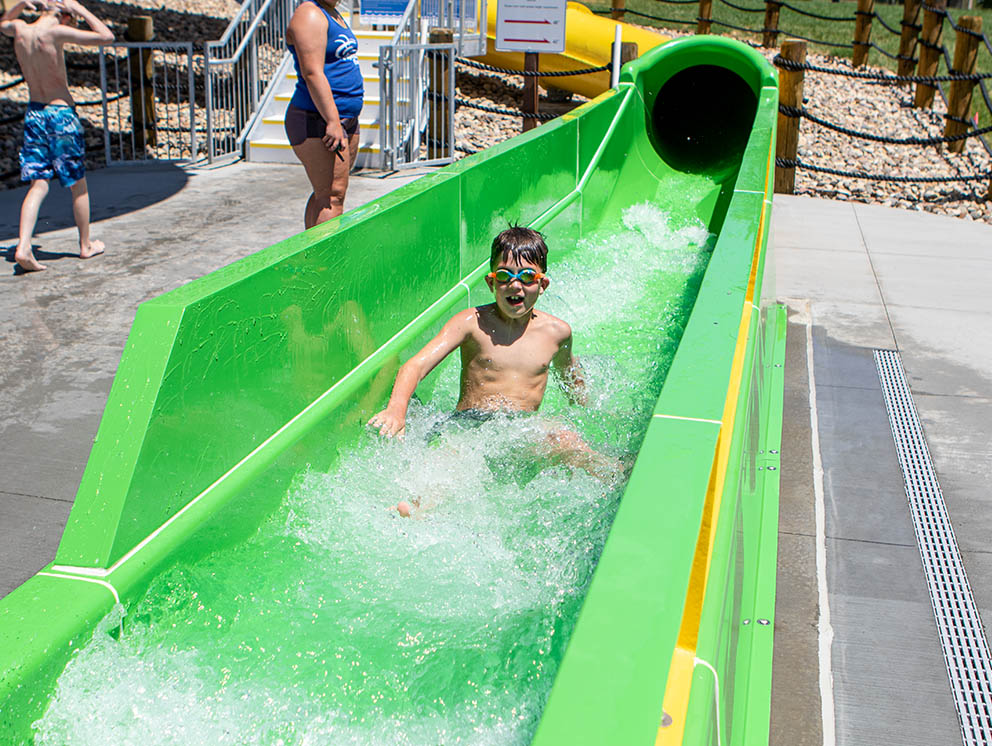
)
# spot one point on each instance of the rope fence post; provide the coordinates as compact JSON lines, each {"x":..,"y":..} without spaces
{"x":933,"y":25}
{"x":907,"y":40}
{"x":705,"y":16}
{"x":790,"y":93}
{"x":862,"y":32}
{"x":619,"y":10}
{"x":530,"y":106}
{"x":769,"y":37}
{"x":440,"y":95}
{"x":965,"y":57}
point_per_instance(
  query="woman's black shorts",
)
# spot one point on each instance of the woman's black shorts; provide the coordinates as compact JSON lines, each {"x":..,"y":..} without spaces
{"x":301,"y":124}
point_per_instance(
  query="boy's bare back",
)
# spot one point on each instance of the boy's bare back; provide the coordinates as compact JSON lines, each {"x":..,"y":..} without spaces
{"x":39,"y":52}
{"x":39,"y":47}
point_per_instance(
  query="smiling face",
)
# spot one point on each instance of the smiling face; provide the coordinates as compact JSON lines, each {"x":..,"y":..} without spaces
{"x":514,"y":299}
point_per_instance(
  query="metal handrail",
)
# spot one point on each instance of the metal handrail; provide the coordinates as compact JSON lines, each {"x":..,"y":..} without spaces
{"x":248,"y":37}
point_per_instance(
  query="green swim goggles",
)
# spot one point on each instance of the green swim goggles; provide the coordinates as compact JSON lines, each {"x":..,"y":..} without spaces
{"x":526,"y":276}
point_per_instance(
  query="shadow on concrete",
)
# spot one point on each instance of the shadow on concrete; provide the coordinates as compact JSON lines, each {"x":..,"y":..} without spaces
{"x":7,"y":252}
{"x":113,"y":192}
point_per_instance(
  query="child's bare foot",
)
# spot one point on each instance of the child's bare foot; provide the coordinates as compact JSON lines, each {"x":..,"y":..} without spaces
{"x":94,"y":248}
{"x":25,"y":259}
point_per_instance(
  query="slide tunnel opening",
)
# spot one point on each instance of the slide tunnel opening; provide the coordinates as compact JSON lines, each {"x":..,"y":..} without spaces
{"x":702,"y":118}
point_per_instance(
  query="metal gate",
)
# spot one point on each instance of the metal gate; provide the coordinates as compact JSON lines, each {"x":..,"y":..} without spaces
{"x":417,"y":125}
{"x":149,"y":106}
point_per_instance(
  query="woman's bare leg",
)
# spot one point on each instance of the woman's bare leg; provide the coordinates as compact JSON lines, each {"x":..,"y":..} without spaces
{"x":328,"y":176}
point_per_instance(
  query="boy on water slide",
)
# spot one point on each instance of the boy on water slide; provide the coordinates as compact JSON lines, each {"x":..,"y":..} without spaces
{"x":507,"y":348}
{"x":53,"y":135}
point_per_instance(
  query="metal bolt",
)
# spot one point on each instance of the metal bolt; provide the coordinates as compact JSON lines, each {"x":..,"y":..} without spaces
{"x":772,"y":468}
{"x":773,"y":451}
{"x":763,"y":622}
{"x":666,"y":719}
{"x":778,"y":365}
{"x":746,"y":622}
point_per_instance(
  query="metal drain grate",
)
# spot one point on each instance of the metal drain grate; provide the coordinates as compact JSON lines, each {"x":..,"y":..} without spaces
{"x":966,"y":650}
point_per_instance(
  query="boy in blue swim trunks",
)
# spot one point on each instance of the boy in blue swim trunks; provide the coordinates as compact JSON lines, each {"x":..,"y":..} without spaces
{"x":53,"y":135}
{"x":507,"y":349}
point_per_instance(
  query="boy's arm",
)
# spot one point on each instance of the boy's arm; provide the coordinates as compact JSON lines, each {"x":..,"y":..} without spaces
{"x":392,"y":420}
{"x":570,"y":373}
{"x":98,"y":32}
{"x":10,"y":19}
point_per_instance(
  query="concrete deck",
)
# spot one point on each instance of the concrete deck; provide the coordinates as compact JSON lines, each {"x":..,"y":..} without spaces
{"x":857,"y":278}
{"x":854,"y":277}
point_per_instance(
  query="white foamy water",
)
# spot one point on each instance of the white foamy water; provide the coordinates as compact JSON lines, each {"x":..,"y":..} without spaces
{"x":340,"y":622}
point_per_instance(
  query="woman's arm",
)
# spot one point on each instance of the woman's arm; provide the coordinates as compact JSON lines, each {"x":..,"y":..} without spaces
{"x":308,"y":34}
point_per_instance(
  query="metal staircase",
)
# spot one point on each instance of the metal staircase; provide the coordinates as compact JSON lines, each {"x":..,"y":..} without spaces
{"x":267,"y":140}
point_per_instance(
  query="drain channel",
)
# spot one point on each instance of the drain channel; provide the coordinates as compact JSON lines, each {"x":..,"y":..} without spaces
{"x":966,"y":650}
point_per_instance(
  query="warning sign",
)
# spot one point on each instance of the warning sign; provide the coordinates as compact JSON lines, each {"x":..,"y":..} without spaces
{"x":530,"y":25}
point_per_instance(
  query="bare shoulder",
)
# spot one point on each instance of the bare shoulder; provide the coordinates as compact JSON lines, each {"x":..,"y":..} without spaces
{"x":13,"y":28}
{"x":464,"y":322}
{"x":559,"y":328}
{"x":308,"y":20}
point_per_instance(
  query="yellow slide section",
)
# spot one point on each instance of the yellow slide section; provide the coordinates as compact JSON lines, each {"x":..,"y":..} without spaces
{"x":588,"y":42}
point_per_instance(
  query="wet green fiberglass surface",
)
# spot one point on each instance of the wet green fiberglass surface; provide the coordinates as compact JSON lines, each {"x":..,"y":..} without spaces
{"x":340,"y":621}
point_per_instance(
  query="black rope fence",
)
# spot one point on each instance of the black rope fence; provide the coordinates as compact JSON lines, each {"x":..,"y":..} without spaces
{"x":785,"y":64}
{"x":468,"y":104}
{"x":802,"y":111}
{"x":501,"y":110}
{"x":533,"y":73}
{"x":796,"y":163}
{"x":934,"y":81}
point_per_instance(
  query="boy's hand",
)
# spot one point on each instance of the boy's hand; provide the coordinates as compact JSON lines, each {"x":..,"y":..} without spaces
{"x":388,"y":423}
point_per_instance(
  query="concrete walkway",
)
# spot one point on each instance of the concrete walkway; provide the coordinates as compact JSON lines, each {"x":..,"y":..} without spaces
{"x":857,"y":278}
{"x":854,"y":277}
{"x":64,"y":329}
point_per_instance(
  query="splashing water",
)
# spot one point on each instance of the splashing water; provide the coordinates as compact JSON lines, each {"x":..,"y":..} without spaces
{"x":340,"y":622}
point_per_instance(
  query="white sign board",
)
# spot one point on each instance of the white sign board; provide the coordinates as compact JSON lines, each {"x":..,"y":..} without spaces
{"x":530,"y":26}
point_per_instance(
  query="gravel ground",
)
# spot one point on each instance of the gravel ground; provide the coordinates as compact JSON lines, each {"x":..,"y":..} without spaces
{"x":859,"y":105}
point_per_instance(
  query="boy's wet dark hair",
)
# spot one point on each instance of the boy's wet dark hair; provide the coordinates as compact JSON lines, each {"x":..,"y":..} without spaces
{"x":520,"y":244}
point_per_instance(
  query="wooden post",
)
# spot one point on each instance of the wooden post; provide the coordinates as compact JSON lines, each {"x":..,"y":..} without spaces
{"x":910,"y":32}
{"x":862,"y":32}
{"x":440,"y":95}
{"x":530,"y":106}
{"x":959,"y":102}
{"x":142,"y":68}
{"x":619,"y":10}
{"x":933,"y":24}
{"x":705,"y":14}
{"x":628,"y":52}
{"x":770,"y":36}
{"x":790,"y":93}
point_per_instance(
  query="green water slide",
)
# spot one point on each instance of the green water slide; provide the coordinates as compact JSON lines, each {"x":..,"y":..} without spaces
{"x":250,"y":387}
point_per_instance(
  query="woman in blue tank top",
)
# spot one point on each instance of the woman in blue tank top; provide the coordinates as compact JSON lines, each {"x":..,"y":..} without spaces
{"x":322,"y":118}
